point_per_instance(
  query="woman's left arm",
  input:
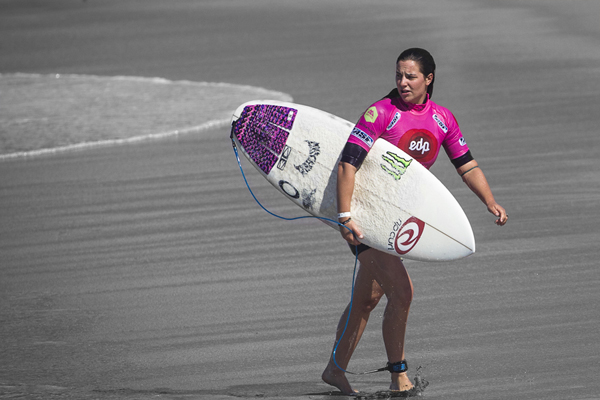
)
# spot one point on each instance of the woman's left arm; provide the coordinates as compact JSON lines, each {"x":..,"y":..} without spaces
{"x":473,"y":176}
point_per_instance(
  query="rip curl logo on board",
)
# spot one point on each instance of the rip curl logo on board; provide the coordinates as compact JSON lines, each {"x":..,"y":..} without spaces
{"x":408,"y":235}
{"x":396,"y":166}
{"x":420,"y":144}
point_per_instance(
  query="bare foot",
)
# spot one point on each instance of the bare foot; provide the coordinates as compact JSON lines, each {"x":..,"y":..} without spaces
{"x":335,"y":377}
{"x":401,"y":382}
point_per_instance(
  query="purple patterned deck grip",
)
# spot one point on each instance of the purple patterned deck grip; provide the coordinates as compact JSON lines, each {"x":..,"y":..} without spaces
{"x":259,"y":135}
{"x":279,"y":115}
{"x":273,"y":137}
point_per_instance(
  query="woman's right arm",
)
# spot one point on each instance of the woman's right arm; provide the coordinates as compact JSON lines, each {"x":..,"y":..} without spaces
{"x":345,"y":189}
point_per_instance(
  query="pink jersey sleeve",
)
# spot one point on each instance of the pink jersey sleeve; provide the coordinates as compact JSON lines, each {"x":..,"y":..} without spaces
{"x":454,"y":143}
{"x":370,"y":126}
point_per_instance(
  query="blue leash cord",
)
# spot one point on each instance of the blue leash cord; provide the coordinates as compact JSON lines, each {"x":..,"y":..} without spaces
{"x":355,"y":260}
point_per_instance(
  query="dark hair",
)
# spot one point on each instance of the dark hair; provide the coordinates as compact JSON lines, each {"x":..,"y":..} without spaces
{"x":425,"y":61}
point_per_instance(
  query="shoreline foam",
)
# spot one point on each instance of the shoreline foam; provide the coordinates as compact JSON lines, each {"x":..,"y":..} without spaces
{"x":41,"y":117}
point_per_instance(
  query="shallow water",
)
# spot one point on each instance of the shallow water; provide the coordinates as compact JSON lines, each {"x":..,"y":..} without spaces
{"x":44,"y":114}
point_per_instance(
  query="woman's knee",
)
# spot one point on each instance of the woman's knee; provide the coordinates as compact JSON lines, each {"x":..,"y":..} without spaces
{"x":401,"y":296}
{"x":367,"y":304}
{"x":370,"y":304}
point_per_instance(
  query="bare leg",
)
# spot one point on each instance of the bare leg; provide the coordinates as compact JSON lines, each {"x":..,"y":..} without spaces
{"x":390,"y":273}
{"x":379,"y":273}
{"x":367,"y":293}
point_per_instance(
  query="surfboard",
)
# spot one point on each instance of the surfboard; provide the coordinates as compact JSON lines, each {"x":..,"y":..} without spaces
{"x":400,"y":206}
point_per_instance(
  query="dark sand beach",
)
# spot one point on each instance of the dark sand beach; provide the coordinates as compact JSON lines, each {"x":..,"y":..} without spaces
{"x":146,"y":270}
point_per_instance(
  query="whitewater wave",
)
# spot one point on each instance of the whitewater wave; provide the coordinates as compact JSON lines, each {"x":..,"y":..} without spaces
{"x":112,"y":142}
{"x":47,"y":114}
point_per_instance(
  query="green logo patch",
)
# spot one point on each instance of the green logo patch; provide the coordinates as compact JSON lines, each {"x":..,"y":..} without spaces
{"x":396,"y":166}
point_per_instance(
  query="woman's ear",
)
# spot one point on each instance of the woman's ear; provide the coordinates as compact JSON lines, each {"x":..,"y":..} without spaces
{"x":429,"y":79}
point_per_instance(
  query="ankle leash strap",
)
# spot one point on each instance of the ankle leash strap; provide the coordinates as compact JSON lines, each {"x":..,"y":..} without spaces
{"x":398,"y":367}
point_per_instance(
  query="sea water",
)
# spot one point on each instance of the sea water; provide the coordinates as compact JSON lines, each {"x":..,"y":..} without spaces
{"x":51,"y":114}
{"x":43,"y":114}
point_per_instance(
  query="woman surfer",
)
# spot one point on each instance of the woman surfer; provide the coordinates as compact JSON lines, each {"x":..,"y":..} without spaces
{"x":408,"y":118}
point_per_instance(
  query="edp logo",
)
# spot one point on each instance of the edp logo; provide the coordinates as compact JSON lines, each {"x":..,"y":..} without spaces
{"x":419,"y":146}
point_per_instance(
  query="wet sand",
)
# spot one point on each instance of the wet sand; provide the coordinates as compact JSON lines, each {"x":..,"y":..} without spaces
{"x":147,"y":270}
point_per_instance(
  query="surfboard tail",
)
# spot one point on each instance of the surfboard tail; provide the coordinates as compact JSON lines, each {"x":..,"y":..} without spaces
{"x":262,"y":131}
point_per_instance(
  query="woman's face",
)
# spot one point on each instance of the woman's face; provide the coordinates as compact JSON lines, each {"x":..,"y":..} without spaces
{"x":411,"y":83}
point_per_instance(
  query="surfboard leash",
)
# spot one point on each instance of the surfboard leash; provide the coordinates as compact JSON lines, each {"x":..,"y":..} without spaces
{"x":395,"y":367}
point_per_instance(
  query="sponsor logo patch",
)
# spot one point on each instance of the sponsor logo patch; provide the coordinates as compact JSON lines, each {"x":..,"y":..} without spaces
{"x":420,"y":144}
{"x":392,"y":237}
{"x":396,"y":166}
{"x":308,"y":198}
{"x":440,"y":123}
{"x":462,"y":141}
{"x":394,"y":121}
{"x":289,"y":189}
{"x":313,"y":151}
{"x":285,"y":154}
{"x":366,"y":139}
{"x":408,"y":235}
{"x":290,"y":116}
{"x":308,"y":195}
{"x":371,"y":114}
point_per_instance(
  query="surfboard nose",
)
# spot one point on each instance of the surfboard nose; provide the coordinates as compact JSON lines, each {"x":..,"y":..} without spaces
{"x":436,"y":245}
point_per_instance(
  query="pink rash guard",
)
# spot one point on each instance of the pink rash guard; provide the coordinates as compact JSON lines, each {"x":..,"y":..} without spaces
{"x":420,"y":130}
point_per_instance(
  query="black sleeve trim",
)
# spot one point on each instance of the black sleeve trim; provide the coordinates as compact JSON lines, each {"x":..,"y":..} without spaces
{"x":462,"y":160}
{"x":353,"y":154}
